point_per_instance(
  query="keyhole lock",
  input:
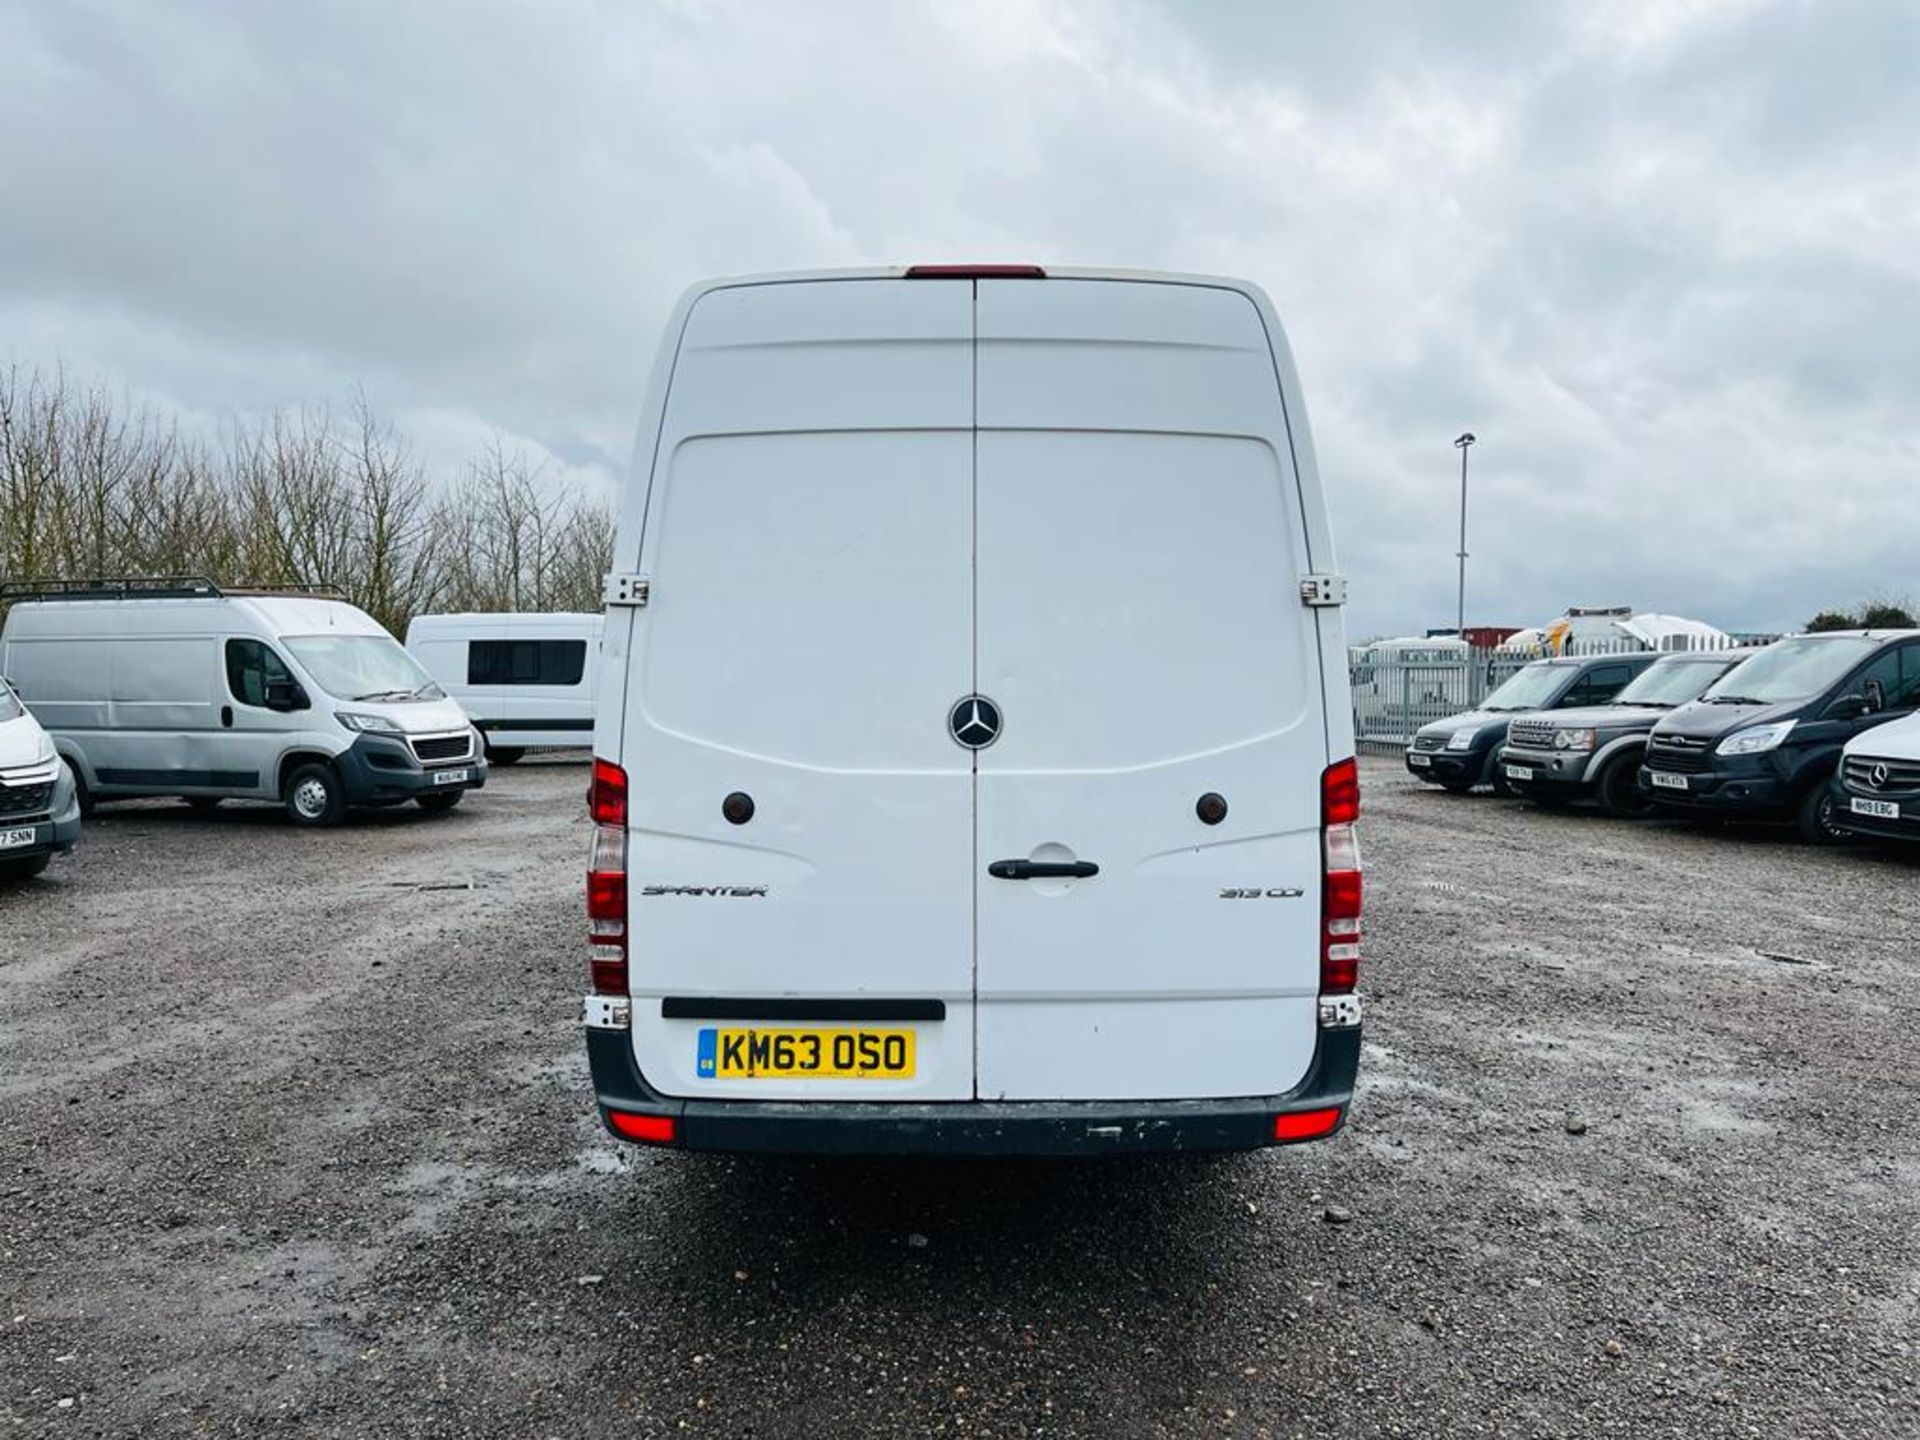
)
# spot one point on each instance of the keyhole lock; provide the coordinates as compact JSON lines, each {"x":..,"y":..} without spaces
{"x":1211,"y":808}
{"x":737,"y":807}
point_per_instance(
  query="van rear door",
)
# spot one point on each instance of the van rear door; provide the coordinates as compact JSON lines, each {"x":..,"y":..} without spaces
{"x":1141,"y":631}
{"x":809,"y":539}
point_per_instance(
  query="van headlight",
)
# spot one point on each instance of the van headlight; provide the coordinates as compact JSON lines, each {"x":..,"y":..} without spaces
{"x":368,"y":724}
{"x":1573,"y":739}
{"x":1463,"y":739}
{"x":1753,"y":741}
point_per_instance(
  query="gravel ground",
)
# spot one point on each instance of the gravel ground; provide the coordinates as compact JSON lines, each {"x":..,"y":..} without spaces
{"x":295,"y":1138}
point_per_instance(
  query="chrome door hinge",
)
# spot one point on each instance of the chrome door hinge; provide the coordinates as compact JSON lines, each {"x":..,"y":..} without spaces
{"x":628,"y":589}
{"x":1320,"y":590}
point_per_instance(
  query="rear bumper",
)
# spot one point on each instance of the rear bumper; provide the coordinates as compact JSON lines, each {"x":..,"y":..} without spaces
{"x":978,"y":1127}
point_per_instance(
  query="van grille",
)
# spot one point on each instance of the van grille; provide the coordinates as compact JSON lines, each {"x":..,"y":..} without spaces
{"x":1536,"y":733}
{"x":1429,"y":742}
{"x":1896,"y":777}
{"x":1683,"y":754}
{"x":444,"y":747}
{"x":25,"y":799}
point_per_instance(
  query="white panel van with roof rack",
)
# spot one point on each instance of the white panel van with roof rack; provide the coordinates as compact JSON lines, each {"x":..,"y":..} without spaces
{"x":180,"y":687}
{"x":974,"y":751}
{"x":526,"y":679}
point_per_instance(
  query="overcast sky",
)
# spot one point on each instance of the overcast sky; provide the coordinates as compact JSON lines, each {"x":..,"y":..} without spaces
{"x":1663,"y":258}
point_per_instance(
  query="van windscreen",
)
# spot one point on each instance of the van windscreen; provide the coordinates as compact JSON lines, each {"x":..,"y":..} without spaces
{"x":363,"y":667}
{"x":1790,"y":670}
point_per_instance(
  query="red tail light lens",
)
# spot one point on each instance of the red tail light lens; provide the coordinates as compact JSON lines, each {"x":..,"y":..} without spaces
{"x":650,"y":1129}
{"x":1341,"y":889}
{"x":1340,"y":793}
{"x":1305,"y":1124}
{"x":607,"y":798}
{"x":607,"y":881}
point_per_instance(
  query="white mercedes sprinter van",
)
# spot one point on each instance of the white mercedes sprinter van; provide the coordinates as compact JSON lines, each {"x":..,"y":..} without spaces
{"x":177,"y":687}
{"x":974,"y":752}
{"x":527,"y":680}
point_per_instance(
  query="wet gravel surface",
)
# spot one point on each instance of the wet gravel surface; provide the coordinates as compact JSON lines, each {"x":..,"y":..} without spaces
{"x":295,"y":1138}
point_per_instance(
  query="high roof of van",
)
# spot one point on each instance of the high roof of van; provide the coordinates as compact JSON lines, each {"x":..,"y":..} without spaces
{"x":265,"y":615}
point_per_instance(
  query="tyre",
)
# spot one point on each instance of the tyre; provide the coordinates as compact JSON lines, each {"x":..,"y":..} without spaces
{"x":24,"y":869}
{"x":1619,"y":789}
{"x":1814,"y":818}
{"x":203,"y":804}
{"x":314,"y":796}
{"x":505,"y":754}
{"x":83,"y":795}
{"x":443,"y":801}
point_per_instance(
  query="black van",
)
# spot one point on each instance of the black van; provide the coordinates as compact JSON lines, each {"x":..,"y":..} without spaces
{"x":1764,"y":740}
{"x":1459,"y":752}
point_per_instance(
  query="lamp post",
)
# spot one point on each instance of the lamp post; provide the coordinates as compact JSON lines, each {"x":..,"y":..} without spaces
{"x":1460,"y":617}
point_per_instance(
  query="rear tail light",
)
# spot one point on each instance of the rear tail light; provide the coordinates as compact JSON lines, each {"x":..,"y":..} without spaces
{"x":607,"y":882}
{"x":1340,"y":886}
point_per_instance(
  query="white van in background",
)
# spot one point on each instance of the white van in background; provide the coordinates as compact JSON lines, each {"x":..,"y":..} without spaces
{"x":974,"y":756}
{"x":527,"y":680}
{"x":178,"y":687}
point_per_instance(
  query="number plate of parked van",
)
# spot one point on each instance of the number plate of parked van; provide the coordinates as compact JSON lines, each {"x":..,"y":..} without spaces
{"x":1879,"y":809}
{"x":804,"y":1053}
{"x":451,"y":777}
{"x":14,"y":839}
{"x":1660,"y":780}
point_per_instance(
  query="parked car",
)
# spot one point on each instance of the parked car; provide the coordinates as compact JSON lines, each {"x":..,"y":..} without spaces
{"x":526,"y":680}
{"x":39,"y":805}
{"x":1876,"y":792}
{"x":1462,"y":751}
{"x":1764,"y":741}
{"x":1562,"y":755}
{"x":938,"y":791}
{"x":178,"y":687}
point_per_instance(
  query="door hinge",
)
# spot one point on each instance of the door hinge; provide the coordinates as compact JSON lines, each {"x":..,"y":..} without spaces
{"x":628,"y":588}
{"x":1320,"y":590}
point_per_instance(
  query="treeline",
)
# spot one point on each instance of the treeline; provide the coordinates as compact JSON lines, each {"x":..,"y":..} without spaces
{"x":90,"y":487}
{"x":1881,"y":614}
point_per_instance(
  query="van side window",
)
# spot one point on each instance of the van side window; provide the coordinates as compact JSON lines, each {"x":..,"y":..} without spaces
{"x":1598,"y":685}
{"x":1898,"y":671}
{"x":251,"y":666}
{"x":526,"y":662}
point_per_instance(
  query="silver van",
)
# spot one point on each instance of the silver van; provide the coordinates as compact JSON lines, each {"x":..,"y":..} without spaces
{"x":180,"y":687}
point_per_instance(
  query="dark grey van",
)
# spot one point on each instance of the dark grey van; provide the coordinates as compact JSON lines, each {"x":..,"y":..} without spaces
{"x":1763,"y":742}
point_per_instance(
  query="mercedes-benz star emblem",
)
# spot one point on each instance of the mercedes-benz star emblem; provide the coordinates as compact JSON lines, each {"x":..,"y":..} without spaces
{"x":974,"y":721}
{"x":1877,"y":776}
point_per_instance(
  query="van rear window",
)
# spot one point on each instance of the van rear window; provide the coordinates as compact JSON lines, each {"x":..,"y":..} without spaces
{"x":526,"y":662}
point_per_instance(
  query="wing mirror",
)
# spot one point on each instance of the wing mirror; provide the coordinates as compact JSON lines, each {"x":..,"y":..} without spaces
{"x":284,"y":695}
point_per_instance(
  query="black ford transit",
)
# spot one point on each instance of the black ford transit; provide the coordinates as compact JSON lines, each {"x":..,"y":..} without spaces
{"x":1763,"y":742}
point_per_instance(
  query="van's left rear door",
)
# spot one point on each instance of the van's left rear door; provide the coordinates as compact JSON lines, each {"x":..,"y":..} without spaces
{"x":809,"y":538}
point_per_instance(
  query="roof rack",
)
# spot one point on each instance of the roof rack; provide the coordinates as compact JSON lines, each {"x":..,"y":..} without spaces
{"x":151,"y":587}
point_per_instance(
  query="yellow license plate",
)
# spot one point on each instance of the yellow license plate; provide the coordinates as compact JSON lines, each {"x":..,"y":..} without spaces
{"x":803,"y":1053}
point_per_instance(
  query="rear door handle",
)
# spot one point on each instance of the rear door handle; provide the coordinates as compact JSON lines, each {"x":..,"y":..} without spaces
{"x":1042,"y":869}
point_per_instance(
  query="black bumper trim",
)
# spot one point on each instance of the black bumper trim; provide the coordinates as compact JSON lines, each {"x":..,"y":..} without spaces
{"x":703,"y":1007}
{"x":489,"y":727}
{"x":973,"y":1127}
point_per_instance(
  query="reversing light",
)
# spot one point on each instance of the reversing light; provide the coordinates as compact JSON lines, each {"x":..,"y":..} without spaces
{"x":649,"y":1129}
{"x":1305,"y":1124}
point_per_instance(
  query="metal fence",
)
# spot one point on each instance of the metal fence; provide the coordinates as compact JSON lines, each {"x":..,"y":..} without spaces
{"x":1399,"y":688}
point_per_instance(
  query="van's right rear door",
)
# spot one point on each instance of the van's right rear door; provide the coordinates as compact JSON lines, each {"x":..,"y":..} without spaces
{"x":809,"y":539}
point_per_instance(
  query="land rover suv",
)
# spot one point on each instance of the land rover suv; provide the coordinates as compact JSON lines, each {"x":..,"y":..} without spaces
{"x":1564,"y":755}
{"x":1461,"y":751}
